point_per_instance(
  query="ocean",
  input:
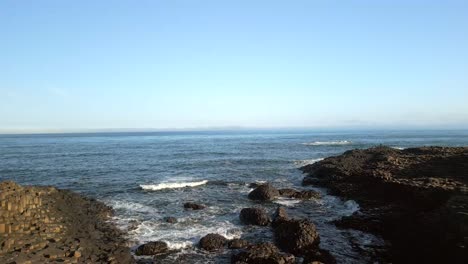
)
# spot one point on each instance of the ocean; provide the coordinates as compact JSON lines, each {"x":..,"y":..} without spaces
{"x":146,"y":177}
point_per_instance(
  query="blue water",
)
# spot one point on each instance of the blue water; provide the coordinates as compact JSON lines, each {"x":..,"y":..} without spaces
{"x":112,"y":166}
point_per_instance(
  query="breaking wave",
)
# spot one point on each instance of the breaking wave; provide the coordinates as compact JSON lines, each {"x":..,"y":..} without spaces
{"x":327,"y":143}
{"x":171,"y":185}
{"x":301,"y":163}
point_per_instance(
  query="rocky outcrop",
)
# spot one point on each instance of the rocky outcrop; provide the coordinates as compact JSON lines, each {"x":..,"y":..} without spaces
{"x":296,"y":236}
{"x":152,"y":248}
{"x":254,"y":216}
{"x":264,"y":192}
{"x":194,"y":206}
{"x":45,"y":224}
{"x":212,"y":242}
{"x":262,"y":253}
{"x":414,"y":198}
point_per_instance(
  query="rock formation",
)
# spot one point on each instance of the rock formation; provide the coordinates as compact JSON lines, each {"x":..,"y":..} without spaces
{"x":414,"y":198}
{"x":44,"y":224}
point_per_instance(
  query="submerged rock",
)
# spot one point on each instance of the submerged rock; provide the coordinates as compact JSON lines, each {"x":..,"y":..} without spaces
{"x":170,"y":219}
{"x":264,"y":253}
{"x":264,"y":192}
{"x":194,"y":206}
{"x":296,"y":236}
{"x":152,"y":248}
{"x":254,"y":216}
{"x":212,"y":242}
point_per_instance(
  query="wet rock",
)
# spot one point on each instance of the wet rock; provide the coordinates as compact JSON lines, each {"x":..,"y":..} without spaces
{"x":296,"y":236}
{"x":307,"y":195}
{"x":254,"y":216}
{"x":287,"y":192}
{"x":171,"y":220}
{"x":265,"y":192}
{"x":194,"y":206}
{"x":264,"y":253}
{"x":319,"y":256}
{"x":304,"y":195}
{"x":212,"y":242}
{"x":279,"y":216}
{"x":152,"y":248}
{"x":238,"y":243}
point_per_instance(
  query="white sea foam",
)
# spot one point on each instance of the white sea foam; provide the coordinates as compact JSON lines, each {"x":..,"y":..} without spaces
{"x":325,"y":143}
{"x":171,"y":185}
{"x":131,"y":206}
{"x":301,"y":163}
{"x":183,"y":235}
{"x":287,"y":201}
{"x":179,"y":245}
{"x":399,"y":148}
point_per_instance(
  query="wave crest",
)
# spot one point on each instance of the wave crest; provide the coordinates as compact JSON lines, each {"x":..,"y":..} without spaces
{"x":301,"y":163}
{"x":327,"y":143}
{"x":171,"y":185}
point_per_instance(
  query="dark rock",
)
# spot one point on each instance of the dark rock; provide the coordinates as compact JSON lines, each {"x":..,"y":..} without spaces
{"x":238,"y":243}
{"x":265,"y":192}
{"x":287,"y":192}
{"x":265,"y":253}
{"x":171,"y":220}
{"x":296,"y":236}
{"x":212,"y":242}
{"x":194,"y":206}
{"x":280,"y":216}
{"x":291,"y":193}
{"x":152,"y":248}
{"x":409,"y":197}
{"x":254,"y":216}
{"x":319,"y":256}
{"x":307,"y":195}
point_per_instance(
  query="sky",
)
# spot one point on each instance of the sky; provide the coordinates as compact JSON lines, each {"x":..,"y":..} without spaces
{"x":90,"y":65}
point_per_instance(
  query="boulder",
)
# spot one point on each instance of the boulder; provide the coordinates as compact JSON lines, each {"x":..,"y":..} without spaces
{"x":152,"y":248}
{"x":262,"y":253}
{"x":304,"y":195}
{"x":296,"y":236}
{"x":265,"y":192}
{"x":280,"y":216}
{"x":212,"y":242}
{"x":287,"y":192}
{"x":254,"y":216}
{"x":307,"y":195}
{"x":238,"y":243}
{"x":194,"y":206}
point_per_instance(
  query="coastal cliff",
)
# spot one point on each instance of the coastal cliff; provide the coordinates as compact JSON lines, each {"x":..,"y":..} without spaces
{"x":416,"y":199}
{"x":48,"y":225}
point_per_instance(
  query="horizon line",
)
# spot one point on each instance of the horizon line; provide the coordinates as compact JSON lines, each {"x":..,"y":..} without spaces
{"x":227,"y":128}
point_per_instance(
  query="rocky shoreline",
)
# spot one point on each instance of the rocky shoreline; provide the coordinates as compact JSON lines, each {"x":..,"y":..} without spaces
{"x":48,"y":225}
{"x":416,"y":199}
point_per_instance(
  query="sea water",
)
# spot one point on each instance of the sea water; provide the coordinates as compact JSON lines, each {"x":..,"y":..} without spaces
{"x":146,"y":177}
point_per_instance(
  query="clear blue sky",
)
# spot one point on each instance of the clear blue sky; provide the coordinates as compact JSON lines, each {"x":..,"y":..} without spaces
{"x":73,"y":65}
